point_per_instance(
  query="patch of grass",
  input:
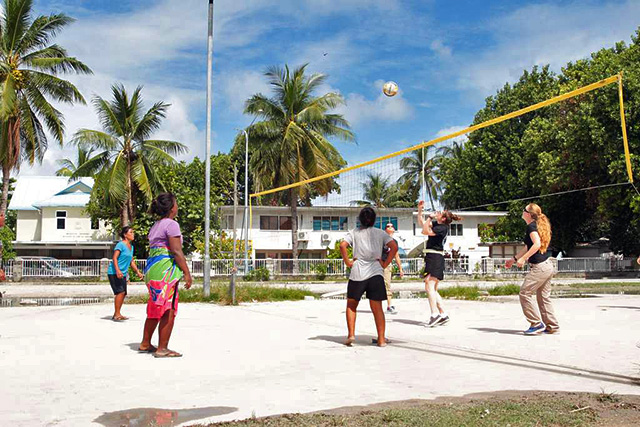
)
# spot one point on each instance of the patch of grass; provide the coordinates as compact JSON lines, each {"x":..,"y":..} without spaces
{"x":244,"y":293}
{"x":471,"y":293}
{"x":543,"y":411}
{"x":500,"y":290}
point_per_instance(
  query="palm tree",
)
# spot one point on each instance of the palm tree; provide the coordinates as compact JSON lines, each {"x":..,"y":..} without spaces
{"x":416,"y":167}
{"x":378,"y":192}
{"x":29,"y":69}
{"x":68,"y":167}
{"x":127,"y":158}
{"x":290,"y":143}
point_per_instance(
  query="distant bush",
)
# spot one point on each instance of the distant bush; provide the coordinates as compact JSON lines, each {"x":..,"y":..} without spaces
{"x":321,"y":271}
{"x":258,"y":275}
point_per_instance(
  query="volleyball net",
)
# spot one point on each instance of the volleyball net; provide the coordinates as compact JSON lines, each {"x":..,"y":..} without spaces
{"x":400,"y":178}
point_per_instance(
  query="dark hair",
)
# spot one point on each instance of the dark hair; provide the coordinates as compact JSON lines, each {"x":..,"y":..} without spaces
{"x":449,"y":217}
{"x":367,"y":217}
{"x":124,"y":231}
{"x":163,"y":204}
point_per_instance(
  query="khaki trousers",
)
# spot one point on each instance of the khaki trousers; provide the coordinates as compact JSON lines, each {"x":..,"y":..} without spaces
{"x":538,"y":282}
{"x":387,"y":280}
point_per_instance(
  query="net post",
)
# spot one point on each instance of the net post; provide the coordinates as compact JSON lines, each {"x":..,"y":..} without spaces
{"x":625,"y":142}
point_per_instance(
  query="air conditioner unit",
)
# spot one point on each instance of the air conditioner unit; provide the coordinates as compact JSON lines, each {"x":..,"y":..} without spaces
{"x":325,"y":237}
{"x":302,"y":235}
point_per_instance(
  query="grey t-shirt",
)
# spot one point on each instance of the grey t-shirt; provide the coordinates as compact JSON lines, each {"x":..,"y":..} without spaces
{"x":367,"y":247}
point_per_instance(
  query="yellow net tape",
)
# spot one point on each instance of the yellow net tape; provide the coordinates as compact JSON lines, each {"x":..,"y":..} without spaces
{"x":627,"y":156}
{"x":554,"y":100}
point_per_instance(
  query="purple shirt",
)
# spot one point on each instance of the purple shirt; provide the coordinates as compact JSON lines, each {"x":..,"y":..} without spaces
{"x":161,"y":231}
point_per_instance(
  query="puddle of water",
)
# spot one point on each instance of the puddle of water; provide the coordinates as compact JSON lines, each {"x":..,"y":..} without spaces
{"x":159,"y":417}
{"x":41,"y":302}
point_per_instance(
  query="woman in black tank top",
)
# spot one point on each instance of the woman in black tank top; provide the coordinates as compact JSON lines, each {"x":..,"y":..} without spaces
{"x":436,"y":227}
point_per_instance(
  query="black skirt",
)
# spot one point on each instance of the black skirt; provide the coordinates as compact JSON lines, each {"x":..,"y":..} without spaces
{"x":434,"y":265}
{"x":118,"y":285}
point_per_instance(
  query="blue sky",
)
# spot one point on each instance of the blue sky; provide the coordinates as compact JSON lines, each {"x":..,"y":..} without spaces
{"x":446,"y":57}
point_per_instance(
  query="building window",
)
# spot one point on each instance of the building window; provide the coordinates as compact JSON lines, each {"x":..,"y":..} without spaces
{"x":61,"y":219}
{"x":330,"y":223}
{"x":285,"y":223}
{"x":456,"y":229}
{"x":227,"y":222}
{"x":269,"y":222}
{"x":95,"y":224}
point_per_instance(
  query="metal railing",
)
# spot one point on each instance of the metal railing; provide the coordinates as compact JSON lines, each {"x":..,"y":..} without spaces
{"x":60,"y":268}
{"x":313,"y":267}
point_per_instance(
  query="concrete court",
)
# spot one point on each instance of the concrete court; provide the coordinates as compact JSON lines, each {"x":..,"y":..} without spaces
{"x":67,"y":366}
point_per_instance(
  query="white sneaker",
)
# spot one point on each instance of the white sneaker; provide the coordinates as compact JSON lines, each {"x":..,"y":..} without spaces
{"x":392,"y":310}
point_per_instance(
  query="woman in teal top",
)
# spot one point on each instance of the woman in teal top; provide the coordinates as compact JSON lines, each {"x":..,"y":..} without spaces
{"x":119,"y":270}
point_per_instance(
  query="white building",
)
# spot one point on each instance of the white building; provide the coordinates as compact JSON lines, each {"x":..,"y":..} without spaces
{"x":320,"y":227}
{"x":51,"y":219}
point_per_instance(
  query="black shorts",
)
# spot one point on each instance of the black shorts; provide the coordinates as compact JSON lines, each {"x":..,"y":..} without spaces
{"x":434,"y":266}
{"x":373,"y":286}
{"x":118,"y":285}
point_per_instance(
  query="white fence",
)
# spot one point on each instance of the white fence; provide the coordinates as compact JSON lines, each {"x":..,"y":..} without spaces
{"x":311,"y":267}
{"x":60,"y":268}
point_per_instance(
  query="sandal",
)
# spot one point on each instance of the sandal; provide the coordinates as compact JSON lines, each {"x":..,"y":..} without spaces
{"x":375,"y":341}
{"x":151,"y":349}
{"x":349,"y":341}
{"x":169,"y":353}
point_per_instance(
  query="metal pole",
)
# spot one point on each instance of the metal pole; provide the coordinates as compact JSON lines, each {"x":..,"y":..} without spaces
{"x":246,"y":200}
{"x":207,"y":174}
{"x":232,"y":289}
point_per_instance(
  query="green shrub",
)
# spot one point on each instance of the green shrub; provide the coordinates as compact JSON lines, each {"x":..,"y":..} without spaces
{"x":7,"y":237}
{"x":509,"y":289}
{"x":321,"y":271}
{"x":460,"y":292}
{"x":258,"y":275}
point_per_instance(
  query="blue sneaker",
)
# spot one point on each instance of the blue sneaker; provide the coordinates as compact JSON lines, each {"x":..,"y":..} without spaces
{"x":535,"y":330}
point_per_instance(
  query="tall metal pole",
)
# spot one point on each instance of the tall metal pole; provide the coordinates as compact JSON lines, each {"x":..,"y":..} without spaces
{"x":246,"y":200}
{"x":207,"y":173}
{"x":232,"y":289}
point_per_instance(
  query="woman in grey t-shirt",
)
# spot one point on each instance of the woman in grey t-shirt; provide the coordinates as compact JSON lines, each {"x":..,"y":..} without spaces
{"x":367,"y":271}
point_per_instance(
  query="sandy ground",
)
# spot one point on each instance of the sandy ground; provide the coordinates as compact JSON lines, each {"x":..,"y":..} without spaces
{"x":72,"y":366}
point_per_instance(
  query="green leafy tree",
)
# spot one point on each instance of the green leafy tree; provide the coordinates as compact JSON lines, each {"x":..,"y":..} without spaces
{"x":290,"y":143}
{"x":68,"y":167}
{"x":127,"y":160}
{"x":29,"y":68}
{"x":186,"y":181}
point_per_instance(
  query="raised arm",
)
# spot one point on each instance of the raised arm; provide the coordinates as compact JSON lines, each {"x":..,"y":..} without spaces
{"x":426,"y":225}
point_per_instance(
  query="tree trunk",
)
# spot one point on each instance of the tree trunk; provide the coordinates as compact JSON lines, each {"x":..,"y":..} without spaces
{"x":294,"y":228}
{"x":127,"y":204}
{"x":6,"y":176}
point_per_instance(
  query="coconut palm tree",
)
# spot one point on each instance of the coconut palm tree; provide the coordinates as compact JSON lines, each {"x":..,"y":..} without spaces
{"x":68,"y":167}
{"x":379,"y":192}
{"x":29,"y":70}
{"x":290,"y":142}
{"x":126,"y":156}
{"x":414,"y":165}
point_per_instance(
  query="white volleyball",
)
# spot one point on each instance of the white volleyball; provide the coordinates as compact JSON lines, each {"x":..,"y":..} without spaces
{"x":390,"y":88}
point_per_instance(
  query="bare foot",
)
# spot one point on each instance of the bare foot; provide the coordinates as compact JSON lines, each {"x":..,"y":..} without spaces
{"x":349,"y":341}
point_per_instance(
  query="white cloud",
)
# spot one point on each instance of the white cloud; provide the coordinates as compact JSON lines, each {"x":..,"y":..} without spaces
{"x":238,"y":86}
{"x":438,"y":47}
{"x":449,"y":130}
{"x":541,"y":34}
{"x":359,"y":110}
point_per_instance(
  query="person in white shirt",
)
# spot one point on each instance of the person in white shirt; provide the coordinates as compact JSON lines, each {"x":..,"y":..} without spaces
{"x":367,"y":271}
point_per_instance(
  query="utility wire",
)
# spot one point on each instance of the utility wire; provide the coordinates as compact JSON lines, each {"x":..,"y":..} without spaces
{"x":549,"y":195}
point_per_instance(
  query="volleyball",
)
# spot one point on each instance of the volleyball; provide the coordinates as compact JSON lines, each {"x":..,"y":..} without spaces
{"x":390,"y":88}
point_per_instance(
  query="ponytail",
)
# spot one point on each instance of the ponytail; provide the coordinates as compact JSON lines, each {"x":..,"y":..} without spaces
{"x":544,"y":226}
{"x":449,"y":217}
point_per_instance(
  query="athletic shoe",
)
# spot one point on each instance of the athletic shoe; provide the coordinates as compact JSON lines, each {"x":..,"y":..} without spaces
{"x":433,"y":321}
{"x":392,"y":310}
{"x":442,"y":320}
{"x":535,"y":330}
{"x":551,"y":331}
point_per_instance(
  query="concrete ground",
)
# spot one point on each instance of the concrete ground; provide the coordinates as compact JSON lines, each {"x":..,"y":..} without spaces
{"x":72,"y":366}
